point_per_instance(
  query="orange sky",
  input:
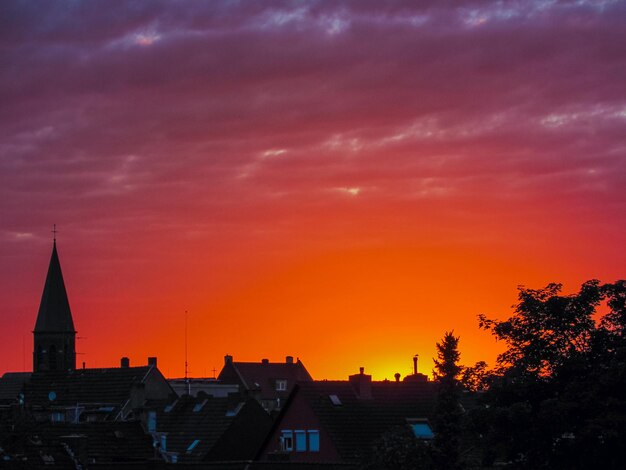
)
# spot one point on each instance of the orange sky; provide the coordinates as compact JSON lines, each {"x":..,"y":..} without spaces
{"x":341,"y":182}
{"x":337,"y":309}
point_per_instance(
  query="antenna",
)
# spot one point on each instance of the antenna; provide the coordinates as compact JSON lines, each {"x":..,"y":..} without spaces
{"x":186,"y":377}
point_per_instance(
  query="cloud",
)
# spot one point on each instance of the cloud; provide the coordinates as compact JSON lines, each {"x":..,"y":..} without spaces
{"x":349,"y":191}
{"x":211,"y":108}
{"x":187,"y":150}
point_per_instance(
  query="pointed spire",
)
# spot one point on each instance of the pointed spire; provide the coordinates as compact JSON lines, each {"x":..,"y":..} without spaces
{"x":54,"y":310}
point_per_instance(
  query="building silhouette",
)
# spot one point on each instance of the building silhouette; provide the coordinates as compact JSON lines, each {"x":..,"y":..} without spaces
{"x":254,"y":415}
{"x":54,"y":333}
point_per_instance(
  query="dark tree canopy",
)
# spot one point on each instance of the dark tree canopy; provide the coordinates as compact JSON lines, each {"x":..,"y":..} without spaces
{"x":558,"y":397}
{"x":398,"y":449}
{"x":546,"y":328}
{"x":476,"y":378}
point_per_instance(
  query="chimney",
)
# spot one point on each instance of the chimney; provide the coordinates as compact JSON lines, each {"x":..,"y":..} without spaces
{"x":289,"y":359}
{"x":362,"y":384}
{"x":124,"y":363}
{"x":84,"y":365}
{"x":416,"y":376}
{"x":228,"y":359}
{"x":265,"y":361}
{"x":152,"y":361}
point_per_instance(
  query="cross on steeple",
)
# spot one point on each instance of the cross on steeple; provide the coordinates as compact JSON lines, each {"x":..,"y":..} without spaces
{"x":54,"y":233}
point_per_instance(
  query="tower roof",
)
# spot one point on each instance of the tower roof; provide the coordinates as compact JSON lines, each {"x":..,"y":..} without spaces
{"x":54,"y":314}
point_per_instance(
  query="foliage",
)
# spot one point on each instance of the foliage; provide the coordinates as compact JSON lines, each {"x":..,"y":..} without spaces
{"x":558,"y":400}
{"x":398,"y":449}
{"x":546,"y":329}
{"x":476,"y":378}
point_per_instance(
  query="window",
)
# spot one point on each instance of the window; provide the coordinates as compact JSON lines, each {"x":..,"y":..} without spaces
{"x":235,"y":410}
{"x":170,"y":407}
{"x":152,"y":421}
{"x":192,"y":446}
{"x":57,"y":416}
{"x":297,"y":440}
{"x":73,"y":414}
{"x":300,"y":441}
{"x":334,"y":399}
{"x":281,"y":385}
{"x":314,"y":441}
{"x":421,"y":429}
{"x":198,"y":406}
{"x":286,"y":441}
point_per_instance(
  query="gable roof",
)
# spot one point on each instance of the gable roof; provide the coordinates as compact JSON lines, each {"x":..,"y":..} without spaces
{"x":263,"y":375}
{"x":354,"y":424}
{"x":54,"y":314}
{"x":207,"y":419}
{"x":245,"y":435}
{"x":105,"y":386}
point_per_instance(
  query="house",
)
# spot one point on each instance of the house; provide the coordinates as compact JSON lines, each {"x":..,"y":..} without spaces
{"x":204,"y":428}
{"x":270,"y":383}
{"x":68,"y":445}
{"x":87,"y":395}
{"x":336,"y":422}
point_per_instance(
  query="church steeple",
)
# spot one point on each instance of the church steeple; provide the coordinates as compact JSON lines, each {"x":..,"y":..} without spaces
{"x":54,"y":333}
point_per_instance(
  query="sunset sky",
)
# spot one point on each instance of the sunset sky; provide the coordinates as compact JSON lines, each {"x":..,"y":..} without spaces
{"x":338,"y":181}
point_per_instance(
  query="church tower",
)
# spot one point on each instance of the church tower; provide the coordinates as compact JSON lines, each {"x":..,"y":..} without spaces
{"x":54,"y":333}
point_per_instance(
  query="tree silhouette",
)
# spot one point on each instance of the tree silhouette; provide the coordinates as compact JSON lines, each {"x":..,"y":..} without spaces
{"x":558,"y":399}
{"x":546,"y":328}
{"x":448,"y":415}
{"x":476,"y":378}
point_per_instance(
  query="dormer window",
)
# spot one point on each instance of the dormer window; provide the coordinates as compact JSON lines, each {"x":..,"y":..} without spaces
{"x":281,"y":385}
